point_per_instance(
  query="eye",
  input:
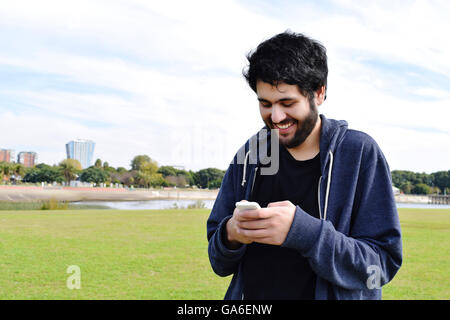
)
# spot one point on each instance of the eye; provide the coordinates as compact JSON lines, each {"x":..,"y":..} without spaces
{"x":288,"y":104}
{"x":265,"y":105}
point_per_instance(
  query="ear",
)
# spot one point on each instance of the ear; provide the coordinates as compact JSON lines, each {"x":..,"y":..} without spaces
{"x":319,"y":96}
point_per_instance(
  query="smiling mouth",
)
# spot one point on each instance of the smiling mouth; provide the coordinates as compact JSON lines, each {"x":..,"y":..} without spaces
{"x":284,"y":126}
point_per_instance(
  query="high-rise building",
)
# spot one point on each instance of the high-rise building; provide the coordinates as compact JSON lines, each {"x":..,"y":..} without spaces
{"x":27,"y":158}
{"x":7,"y":155}
{"x":81,"y":150}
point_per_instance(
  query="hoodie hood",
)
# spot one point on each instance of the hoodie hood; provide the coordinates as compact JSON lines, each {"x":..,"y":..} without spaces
{"x":331,"y":135}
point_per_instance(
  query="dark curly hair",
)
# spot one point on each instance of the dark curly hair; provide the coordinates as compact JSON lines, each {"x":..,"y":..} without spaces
{"x":291,"y":58}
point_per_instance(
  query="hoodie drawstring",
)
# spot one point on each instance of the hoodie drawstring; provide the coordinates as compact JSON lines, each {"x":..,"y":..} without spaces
{"x":327,"y":191}
{"x":245,"y":167}
{"x":328,"y":186}
{"x":318,"y":197}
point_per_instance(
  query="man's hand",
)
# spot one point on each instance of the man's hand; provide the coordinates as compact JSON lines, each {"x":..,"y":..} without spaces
{"x":234,"y":237}
{"x":266,"y":225}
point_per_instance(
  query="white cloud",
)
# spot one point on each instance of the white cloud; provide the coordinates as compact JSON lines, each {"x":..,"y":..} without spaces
{"x":164,"y":77}
{"x":160,"y":106}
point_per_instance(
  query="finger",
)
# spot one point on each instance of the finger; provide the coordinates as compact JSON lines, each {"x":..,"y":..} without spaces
{"x":244,"y":215}
{"x":279,"y":204}
{"x":254,"y":234}
{"x":262,"y":213}
{"x":254,"y":224}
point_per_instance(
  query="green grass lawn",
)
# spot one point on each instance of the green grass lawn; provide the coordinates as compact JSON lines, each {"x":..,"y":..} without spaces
{"x":162,"y":254}
{"x":426,"y":256}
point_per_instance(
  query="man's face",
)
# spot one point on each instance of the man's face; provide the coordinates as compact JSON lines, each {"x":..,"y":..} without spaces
{"x":283,"y":107}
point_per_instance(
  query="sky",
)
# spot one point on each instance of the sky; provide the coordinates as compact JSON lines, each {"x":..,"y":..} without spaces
{"x":164,"y":78}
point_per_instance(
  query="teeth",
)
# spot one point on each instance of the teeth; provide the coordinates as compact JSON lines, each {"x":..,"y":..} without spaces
{"x":284,"y":126}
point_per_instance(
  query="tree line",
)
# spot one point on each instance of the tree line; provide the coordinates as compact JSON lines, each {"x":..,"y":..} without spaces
{"x":421,"y":183}
{"x":144,"y":173}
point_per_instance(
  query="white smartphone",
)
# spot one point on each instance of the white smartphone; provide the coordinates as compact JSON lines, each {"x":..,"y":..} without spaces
{"x":243,"y":205}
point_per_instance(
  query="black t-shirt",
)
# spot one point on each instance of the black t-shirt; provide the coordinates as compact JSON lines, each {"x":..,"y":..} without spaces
{"x":275,"y":272}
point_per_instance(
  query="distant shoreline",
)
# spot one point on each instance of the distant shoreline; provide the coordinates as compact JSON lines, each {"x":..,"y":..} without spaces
{"x":76,"y":194}
{"x":73,"y":194}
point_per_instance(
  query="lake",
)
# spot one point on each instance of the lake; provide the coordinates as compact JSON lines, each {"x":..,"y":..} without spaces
{"x":170,"y":204}
{"x":148,"y":204}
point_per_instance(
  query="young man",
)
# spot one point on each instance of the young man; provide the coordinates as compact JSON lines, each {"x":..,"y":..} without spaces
{"x":328,"y":226}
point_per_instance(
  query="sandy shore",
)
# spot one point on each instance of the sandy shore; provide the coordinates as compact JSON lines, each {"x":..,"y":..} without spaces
{"x":19,"y":193}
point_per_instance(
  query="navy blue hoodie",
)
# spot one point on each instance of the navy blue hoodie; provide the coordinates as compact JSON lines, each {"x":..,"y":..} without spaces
{"x":354,"y":247}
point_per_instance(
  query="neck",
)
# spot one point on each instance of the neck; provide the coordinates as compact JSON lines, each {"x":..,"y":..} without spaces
{"x":311,"y":146}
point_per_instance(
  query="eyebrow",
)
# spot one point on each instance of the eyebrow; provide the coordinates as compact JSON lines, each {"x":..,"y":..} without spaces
{"x":280,"y":100}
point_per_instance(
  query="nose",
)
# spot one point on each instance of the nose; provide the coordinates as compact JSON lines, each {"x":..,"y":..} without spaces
{"x":278,"y":114}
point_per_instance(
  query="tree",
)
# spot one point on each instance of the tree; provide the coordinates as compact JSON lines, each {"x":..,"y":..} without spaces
{"x":121,"y":170}
{"x":19,"y":170}
{"x":94,"y":175}
{"x":143,"y":179}
{"x":2,"y":173}
{"x":421,"y":188}
{"x":70,"y":168}
{"x":44,"y":173}
{"x":147,"y":179}
{"x":167,"y":171}
{"x":406,"y":187}
{"x":150,"y":167}
{"x":6,"y":169}
{"x":177,"y":177}
{"x":139,"y":161}
{"x":195,"y":178}
{"x":400,"y":177}
{"x":408,"y":180}
{"x":435,"y":190}
{"x":210,"y":178}
{"x":98,"y":163}
{"x":146,"y":171}
{"x":442,"y":180}
{"x":190,"y":177}
{"x":158,"y":180}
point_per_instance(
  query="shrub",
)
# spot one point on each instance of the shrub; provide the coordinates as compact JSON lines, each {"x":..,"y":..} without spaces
{"x":54,"y":204}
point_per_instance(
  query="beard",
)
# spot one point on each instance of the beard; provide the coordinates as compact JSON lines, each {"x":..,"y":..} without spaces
{"x":304,"y":128}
